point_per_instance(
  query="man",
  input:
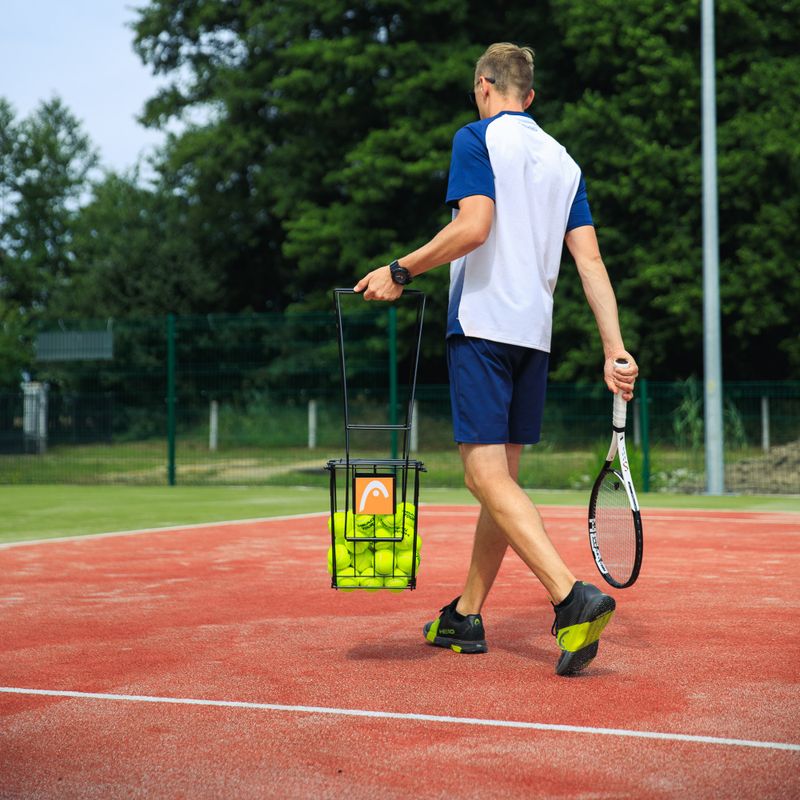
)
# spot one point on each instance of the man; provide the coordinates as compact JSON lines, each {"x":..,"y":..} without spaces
{"x":517,"y":196}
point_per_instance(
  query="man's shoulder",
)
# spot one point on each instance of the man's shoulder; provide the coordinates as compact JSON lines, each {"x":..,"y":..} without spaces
{"x":472,"y":130}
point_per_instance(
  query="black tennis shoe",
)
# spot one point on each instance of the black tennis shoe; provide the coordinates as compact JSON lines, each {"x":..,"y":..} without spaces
{"x":580,"y":619}
{"x":462,"y":634}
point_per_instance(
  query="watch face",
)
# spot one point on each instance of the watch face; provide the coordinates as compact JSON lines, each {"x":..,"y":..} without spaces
{"x":401,"y":276}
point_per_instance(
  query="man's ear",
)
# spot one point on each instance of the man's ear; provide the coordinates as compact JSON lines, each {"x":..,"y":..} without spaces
{"x":529,"y":99}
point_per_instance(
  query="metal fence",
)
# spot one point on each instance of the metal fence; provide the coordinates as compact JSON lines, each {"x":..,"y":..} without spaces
{"x":256,"y":399}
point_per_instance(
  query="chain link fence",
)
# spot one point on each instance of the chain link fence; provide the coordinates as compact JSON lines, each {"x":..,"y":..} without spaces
{"x":256,"y":399}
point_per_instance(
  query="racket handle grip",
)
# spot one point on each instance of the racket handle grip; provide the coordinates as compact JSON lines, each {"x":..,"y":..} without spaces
{"x":620,"y":405}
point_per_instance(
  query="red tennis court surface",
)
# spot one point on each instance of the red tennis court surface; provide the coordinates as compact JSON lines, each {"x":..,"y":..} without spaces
{"x":301,"y":692}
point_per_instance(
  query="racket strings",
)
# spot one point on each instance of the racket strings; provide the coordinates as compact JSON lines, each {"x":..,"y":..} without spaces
{"x":616,"y":531}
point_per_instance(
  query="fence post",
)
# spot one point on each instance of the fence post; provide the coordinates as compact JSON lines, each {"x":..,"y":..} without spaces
{"x":645,"y":432}
{"x":171,"y":399}
{"x":765,"y":423}
{"x":393,"y":375}
{"x":312,"y":424}
{"x":213,"y":425}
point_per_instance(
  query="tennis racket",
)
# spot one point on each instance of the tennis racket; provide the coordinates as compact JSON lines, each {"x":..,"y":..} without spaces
{"x":615,"y":525}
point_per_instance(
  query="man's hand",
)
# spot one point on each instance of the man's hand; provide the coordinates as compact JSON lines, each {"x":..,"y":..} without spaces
{"x":378,"y":285}
{"x":621,"y":379}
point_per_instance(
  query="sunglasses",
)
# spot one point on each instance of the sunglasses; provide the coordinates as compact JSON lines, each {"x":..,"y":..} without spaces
{"x":471,"y":95}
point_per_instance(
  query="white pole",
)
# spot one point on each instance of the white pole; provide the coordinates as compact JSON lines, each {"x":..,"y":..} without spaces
{"x":213,"y":426}
{"x":312,"y":424}
{"x":42,"y":421}
{"x":712,"y":353}
{"x":414,"y":428}
{"x":765,"y":424}
{"x":637,"y":424}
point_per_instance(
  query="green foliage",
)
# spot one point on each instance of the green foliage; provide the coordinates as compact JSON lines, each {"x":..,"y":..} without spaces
{"x":336,"y":117}
{"x":314,"y":145}
{"x":136,"y":254}
{"x":46,"y":161}
{"x":15,"y":345}
{"x":687,"y":419}
{"x":321,"y":110}
{"x":636,"y":131}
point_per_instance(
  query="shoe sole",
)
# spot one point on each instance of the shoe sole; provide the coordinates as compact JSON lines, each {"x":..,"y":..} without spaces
{"x":573,"y":663}
{"x":598,"y":616}
{"x":456,"y":645}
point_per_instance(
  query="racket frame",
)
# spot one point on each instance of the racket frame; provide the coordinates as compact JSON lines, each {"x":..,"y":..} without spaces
{"x":617,"y":448}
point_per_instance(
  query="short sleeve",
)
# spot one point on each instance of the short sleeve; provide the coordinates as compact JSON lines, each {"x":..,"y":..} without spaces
{"x":580,"y":214}
{"x":470,"y":168}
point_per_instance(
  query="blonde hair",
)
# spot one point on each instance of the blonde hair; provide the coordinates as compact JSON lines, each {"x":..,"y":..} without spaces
{"x":510,"y":66}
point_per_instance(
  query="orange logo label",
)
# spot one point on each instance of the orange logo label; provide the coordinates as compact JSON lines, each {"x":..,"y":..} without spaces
{"x":374,"y":494}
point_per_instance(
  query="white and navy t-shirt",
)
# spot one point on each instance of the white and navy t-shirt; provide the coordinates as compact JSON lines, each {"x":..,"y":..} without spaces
{"x":503,"y":290}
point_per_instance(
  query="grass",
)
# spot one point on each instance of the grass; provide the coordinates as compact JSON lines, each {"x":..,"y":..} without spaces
{"x":45,"y":511}
{"x":546,"y":466}
{"x":144,"y":463}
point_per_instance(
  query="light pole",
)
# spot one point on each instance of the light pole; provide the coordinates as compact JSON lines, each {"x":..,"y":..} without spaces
{"x":712,"y":351}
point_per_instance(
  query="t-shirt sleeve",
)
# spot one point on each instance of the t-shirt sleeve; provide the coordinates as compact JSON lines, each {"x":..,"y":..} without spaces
{"x":580,"y":214}
{"x":470,"y":168}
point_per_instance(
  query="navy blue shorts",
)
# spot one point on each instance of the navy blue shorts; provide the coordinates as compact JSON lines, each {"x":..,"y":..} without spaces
{"x":497,"y":391}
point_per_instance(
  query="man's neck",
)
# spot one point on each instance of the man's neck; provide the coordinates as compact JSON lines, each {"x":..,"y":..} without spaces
{"x":497,"y":105}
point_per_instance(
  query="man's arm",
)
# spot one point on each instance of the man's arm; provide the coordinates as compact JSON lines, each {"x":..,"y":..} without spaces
{"x":462,"y":235}
{"x":582,"y":244}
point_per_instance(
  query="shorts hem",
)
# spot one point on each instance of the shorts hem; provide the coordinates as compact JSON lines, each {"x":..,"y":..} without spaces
{"x":499,"y":441}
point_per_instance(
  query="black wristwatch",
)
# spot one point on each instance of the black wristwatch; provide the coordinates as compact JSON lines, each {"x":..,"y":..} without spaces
{"x":400,"y":275}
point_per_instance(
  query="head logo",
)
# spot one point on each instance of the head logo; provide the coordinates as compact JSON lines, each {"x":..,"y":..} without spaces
{"x":375,"y":494}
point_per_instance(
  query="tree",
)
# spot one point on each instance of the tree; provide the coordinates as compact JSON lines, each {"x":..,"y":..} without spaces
{"x":636,"y":130}
{"x":327,"y":129}
{"x":47,"y":160}
{"x":136,"y":255}
{"x":328,"y":136}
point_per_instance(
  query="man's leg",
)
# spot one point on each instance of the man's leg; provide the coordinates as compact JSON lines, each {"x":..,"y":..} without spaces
{"x":487,"y":474}
{"x":488,"y":549}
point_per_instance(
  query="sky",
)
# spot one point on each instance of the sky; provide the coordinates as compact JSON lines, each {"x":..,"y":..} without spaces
{"x":81,"y":51}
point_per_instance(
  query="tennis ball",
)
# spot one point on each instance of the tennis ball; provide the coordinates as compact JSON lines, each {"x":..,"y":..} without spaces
{"x":384,"y":562}
{"x":405,"y":513}
{"x":341,"y":524}
{"x":345,"y":583}
{"x":366,"y":530}
{"x":408,"y":540}
{"x":387,"y":533}
{"x":345,"y":526}
{"x":405,"y":559}
{"x":370,"y":581}
{"x":365,"y":522}
{"x":342,"y":558}
{"x":353,"y":546}
{"x":365,"y":561}
{"x":385,"y":545}
{"x":386,"y":521}
{"x":396,"y":583}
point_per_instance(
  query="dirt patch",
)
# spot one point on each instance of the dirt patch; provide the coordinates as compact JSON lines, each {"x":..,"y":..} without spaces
{"x":776,"y":472}
{"x":243,"y":470}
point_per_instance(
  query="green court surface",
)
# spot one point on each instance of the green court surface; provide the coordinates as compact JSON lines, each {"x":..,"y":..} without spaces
{"x":32,"y":512}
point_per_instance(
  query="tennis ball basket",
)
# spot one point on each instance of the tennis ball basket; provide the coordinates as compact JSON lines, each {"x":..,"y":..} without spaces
{"x":374,"y":522}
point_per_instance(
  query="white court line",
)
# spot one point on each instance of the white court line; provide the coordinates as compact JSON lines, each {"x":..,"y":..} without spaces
{"x":355,"y":712}
{"x":138,"y":531}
